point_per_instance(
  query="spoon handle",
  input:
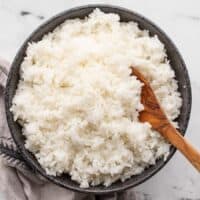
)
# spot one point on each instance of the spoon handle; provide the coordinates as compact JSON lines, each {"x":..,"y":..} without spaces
{"x":182,"y":144}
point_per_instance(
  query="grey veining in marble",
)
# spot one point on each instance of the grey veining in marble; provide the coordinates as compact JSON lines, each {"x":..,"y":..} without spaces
{"x":180,"y":19}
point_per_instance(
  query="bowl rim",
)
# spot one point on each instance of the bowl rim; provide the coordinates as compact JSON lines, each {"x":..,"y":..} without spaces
{"x":9,"y":115}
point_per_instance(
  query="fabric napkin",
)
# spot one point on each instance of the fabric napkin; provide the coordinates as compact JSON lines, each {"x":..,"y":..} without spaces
{"x":18,"y":182}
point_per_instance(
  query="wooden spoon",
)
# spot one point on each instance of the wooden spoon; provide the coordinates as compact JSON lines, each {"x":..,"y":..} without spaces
{"x":154,"y":114}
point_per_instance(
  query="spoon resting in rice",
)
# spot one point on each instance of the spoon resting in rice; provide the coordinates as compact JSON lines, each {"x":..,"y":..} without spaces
{"x":154,"y":114}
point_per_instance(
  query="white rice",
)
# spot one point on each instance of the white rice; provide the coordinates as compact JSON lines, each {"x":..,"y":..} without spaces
{"x":78,"y":104}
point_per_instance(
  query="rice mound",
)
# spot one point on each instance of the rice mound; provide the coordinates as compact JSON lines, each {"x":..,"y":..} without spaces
{"x":79,"y":106}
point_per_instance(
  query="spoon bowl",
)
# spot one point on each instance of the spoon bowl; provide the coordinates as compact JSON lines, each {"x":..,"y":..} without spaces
{"x":155,"y":115}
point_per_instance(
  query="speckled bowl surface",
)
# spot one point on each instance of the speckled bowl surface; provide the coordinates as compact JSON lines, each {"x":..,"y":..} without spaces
{"x":177,"y":64}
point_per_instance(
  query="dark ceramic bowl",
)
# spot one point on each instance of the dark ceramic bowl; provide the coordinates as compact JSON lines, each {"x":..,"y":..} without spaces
{"x":126,"y":15}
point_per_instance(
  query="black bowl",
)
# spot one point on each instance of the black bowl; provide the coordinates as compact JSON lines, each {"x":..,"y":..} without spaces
{"x":126,"y":15}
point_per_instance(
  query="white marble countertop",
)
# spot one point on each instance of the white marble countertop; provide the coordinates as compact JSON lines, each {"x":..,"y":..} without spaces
{"x":180,"y":19}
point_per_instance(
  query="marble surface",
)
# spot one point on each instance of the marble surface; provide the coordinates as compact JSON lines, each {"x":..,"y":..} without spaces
{"x":180,"y":19}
